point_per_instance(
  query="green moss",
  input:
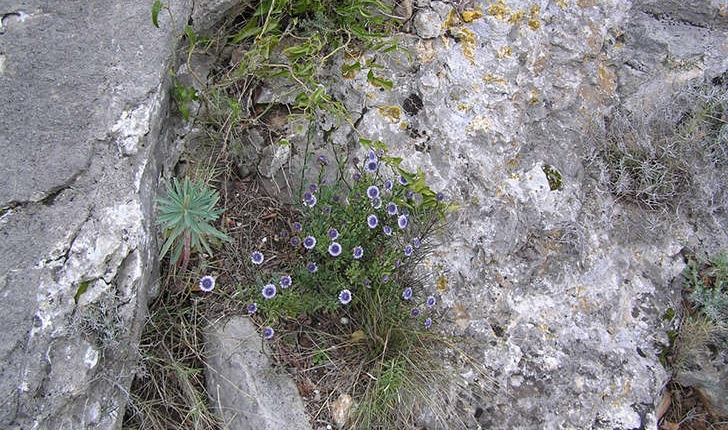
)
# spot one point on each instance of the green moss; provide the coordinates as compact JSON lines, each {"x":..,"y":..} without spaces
{"x":554,"y":177}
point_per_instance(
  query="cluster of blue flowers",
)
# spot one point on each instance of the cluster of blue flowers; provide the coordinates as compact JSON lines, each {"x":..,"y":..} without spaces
{"x":349,"y":238}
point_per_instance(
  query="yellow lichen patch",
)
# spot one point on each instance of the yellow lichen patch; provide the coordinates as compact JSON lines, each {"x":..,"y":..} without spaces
{"x":452,"y":20}
{"x":462,"y":107}
{"x":517,"y":17}
{"x":370,"y":95}
{"x":534,"y":23}
{"x":467,"y":38}
{"x":479,"y":123}
{"x":441,"y":284}
{"x":403,"y":125}
{"x":534,"y":97}
{"x":500,"y":11}
{"x":472,"y":15}
{"x":562,"y":3}
{"x":494,"y":79}
{"x":504,"y":52}
{"x":391,"y":112}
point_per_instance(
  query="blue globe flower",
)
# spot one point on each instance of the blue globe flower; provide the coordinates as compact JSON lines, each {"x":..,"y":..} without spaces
{"x":387,"y":230}
{"x":372,"y":221}
{"x":428,"y":323}
{"x":334,"y":249}
{"x":416,"y":242}
{"x":358,"y":252}
{"x":268,"y":332}
{"x":345,"y":297}
{"x":297,"y":226}
{"x":269,"y":291}
{"x":407,"y":294}
{"x":252,"y":308}
{"x":257,"y":257}
{"x":415,"y":312}
{"x":309,"y":242}
{"x":285,"y":281}
{"x":373,"y":192}
{"x":207,"y":283}
{"x":431,"y":301}
{"x":408,"y":250}
{"x":391,"y":208}
{"x":312,"y":267}
{"x":333,"y":234}
{"x":402,"y":221}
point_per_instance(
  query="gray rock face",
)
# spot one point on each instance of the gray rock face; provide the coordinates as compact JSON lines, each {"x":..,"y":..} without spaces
{"x":248,"y":392}
{"x":561,"y":286}
{"x":85,"y":93}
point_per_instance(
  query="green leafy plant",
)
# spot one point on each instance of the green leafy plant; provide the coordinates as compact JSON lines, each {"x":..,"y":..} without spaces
{"x":352,"y":253}
{"x":185,"y":216}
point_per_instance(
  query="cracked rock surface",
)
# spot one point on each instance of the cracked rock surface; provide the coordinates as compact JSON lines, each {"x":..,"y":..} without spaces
{"x":82,"y":128}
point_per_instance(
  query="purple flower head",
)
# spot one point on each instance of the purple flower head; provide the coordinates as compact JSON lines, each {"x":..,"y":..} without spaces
{"x":257,"y":257}
{"x":355,"y":161}
{"x":366,"y":282}
{"x":373,"y":192}
{"x":410,"y":194}
{"x":312,"y":188}
{"x":356,"y":176}
{"x":402,"y":181}
{"x":207,"y":283}
{"x":405,"y":212}
{"x":391,"y":208}
{"x":402,"y":221}
{"x":387,"y":230}
{"x":327,"y":209}
{"x":345,"y":297}
{"x":269,"y":291}
{"x":333,"y":233}
{"x":431,"y":301}
{"x":415,"y":312}
{"x":428,"y":323}
{"x":376,"y":203}
{"x":408,"y":250}
{"x":385,"y":279}
{"x":295,"y":241}
{"x":268,"y":332}
{"x":297,"y":226}
{"x":440,"y":197}
{"x":307,"y":196}
{"x":358,"y":252}
{"x":407,"y":294}
{"x":387,"y":185}
{"x":311,"y":203}
{"x":252,"y":307}
{"x":309,"y":242}
{"x":285,"y":281}
{"x":372,"y":221}
{"x":336,"y":198}
{"x":334,"y":249}
{"x":322,"y":159}
{"x":371,"y":156}
{"x":397,"y":262}
{"x":312,"y":267}
{"x":416,"y":242}
{"x":371,"y":166}
{"x":380,"y":152}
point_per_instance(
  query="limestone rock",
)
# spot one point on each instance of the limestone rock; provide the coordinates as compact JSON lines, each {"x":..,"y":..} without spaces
{"x":563,"y":288}
{"x":85,"y":143}
{"x":249,"y":392}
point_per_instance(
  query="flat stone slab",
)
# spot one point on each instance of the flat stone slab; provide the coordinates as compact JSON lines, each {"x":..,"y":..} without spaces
{"x":248,"y":392}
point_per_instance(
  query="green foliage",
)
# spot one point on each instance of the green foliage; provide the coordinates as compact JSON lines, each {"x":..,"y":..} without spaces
{"x":704,"y":326}
{"x":185,"y":216}
{"x":184,"y":96}
{"x":156,"y":8}
{"x":341,"y":215}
